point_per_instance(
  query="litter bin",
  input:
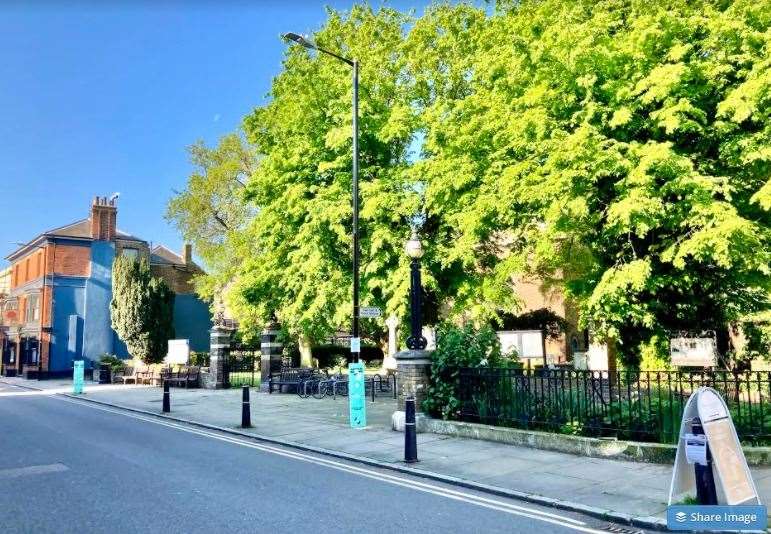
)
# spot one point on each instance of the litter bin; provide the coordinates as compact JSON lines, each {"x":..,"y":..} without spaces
{"x":105,"y":374}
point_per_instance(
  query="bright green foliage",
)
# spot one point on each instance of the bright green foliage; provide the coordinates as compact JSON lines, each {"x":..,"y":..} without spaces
{"x":614,"y":147}
{"x":455,"y":348}
{"x":211,"y":212}
{"x":619,"y":149}
{"x":142,"y":309}
{"x":301,"y":235}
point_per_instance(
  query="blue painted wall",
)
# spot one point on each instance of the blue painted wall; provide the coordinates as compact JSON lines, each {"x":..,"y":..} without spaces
{"x":69,"y":295}
{"x":97,"y":329}
{"x":82,"y":326}
{"x":192,"y":320}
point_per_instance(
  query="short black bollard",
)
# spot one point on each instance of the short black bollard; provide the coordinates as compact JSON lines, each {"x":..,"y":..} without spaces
{"x":246,"y":409}
{"x":705,"y":480}
{"x":166,"y":397}
{"x":410,"y":434}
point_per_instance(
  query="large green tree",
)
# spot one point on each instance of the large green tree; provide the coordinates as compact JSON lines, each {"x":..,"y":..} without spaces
{"x":616,"y":149}
{"x":211,"y":212}
{"x":142,"y":309}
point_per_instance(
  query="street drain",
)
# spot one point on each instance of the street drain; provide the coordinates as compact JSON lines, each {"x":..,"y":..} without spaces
{"x":621,"y":530}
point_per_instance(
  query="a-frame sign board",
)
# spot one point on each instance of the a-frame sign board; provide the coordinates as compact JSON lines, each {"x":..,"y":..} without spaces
{"x":733,"y":479}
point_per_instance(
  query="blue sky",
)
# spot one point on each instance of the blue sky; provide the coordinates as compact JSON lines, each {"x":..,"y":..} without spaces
{"x":103,"y":97}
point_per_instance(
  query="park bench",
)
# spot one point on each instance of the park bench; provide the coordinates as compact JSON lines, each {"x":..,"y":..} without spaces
{"x":184,"y":376}
{"x":291,"y":378}
{"x":132,"y":374}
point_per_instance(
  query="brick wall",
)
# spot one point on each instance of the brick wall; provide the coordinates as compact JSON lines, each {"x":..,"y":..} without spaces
{"x":28,"y":268}
{"x":179,"y":278}
{"x":71,"y":260}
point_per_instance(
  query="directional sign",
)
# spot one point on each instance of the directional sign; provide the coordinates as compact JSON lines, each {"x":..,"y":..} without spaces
{"x":370,"y":312}
{"x":77,"y":377}
{"x":356,"y":395}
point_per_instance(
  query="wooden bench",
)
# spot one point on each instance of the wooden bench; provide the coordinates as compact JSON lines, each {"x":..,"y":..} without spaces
{"x":134,"y":374}
{"x":184,"y":376}
{"x":291,"y":378}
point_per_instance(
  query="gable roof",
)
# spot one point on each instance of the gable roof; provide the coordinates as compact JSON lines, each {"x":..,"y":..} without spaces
{"x":161,"y":254}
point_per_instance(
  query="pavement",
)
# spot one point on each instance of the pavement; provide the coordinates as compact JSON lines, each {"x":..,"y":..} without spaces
{"x":621,"y":489}
{"x":72,"y":466}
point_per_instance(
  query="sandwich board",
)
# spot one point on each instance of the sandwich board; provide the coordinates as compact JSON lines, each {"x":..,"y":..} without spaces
{"x":733,"y":480}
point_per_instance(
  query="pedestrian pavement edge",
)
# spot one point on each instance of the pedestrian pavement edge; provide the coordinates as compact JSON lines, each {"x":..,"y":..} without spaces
{"x":648,"y":522}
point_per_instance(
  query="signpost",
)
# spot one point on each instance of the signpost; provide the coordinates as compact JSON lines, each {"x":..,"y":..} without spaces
{"x":370,"y":312}
{"x":693,"y":351}
{"x":356,"y":395}
{"x":77,"y":377}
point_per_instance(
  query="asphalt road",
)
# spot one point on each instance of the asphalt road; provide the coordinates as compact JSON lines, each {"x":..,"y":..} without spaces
{"x":67,"y":466}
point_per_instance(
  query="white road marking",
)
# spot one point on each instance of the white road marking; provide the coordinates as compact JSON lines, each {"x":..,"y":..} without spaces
{"x":433,"y":489}
{"x":32,"y":470}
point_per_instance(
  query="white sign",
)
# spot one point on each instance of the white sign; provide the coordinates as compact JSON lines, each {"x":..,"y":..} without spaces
{"x":696,"y":449}
{"x":370,"y":312}
{"x":527,"y":343}
{"x":355,"y":344}
{"x":179,"y":352}
{"x":693,"y":351}
{"x":733,"y":480}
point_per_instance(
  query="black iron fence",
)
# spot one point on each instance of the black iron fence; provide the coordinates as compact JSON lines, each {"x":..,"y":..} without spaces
{"x":243,"y":367}
{"x":640,"y":406}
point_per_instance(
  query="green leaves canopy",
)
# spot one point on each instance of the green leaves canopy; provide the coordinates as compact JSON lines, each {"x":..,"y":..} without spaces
{"x":619,"y":149}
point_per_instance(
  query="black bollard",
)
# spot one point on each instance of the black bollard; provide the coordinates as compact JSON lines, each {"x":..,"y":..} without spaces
{"x":166,"y":397}
{"x":410,"y":432}
{"x":705,"y":480}
{"x":246,"y":410}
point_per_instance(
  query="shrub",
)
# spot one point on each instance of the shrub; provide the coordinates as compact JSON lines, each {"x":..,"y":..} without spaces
{"x":200,"y":359}
{"x":458,"y":347}
{"x":328,"y":355}
{"x":115,"y":363}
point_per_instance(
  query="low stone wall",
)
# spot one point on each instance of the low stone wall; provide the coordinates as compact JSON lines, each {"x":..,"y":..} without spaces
{"x":599,"y":448}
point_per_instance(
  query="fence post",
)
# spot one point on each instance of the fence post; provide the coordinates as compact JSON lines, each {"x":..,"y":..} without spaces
{"x":218,"y":356}
{"x":270,"y":349}
{"x":166,"y":397}
{"x":246,"y":409}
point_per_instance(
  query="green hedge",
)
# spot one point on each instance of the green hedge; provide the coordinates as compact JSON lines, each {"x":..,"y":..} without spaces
{"x":329,"y":355}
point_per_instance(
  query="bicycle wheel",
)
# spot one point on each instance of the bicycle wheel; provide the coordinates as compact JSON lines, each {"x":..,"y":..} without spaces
{"x":320,"y":390}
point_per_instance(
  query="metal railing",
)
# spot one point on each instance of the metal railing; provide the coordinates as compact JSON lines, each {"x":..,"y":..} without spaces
{"x":243,"y":368}
{"x":634,"y":405}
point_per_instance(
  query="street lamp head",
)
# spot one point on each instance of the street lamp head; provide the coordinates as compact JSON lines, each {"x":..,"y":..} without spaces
{"x":299,"y":39}
{"x":414,"y":249}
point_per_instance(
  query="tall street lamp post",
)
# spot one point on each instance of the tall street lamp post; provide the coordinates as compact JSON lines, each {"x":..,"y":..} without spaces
{"x":299,"y":39}
{"x":414,"y":250}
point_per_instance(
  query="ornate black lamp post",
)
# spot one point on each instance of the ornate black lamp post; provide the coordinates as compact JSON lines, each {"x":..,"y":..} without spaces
{"x":414,"y":250}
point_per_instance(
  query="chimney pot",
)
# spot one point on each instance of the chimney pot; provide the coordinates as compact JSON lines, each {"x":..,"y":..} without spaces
{"x":187,"y":253}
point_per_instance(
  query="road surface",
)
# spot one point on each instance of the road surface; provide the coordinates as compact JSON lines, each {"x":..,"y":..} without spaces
{"x":70,"y":466}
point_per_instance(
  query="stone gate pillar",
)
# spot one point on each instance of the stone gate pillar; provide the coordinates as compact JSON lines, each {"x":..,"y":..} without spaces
{"x":271,"y":349}
{"x":413,"y":368}
{"x":219,"y":350}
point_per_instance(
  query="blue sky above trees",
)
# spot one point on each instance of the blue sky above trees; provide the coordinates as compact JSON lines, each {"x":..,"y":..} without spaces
{"x":99,"y":99}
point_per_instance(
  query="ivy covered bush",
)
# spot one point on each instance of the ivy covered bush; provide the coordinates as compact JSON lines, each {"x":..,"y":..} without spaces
{"x":458,"y":347}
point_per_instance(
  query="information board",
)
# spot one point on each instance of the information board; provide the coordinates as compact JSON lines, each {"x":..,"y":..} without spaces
{"x":356,"y":395}
{"x":693,"y":351}
{"x":77,"y":377}
{"x":527,"y":343}
{"x":178,"y":353}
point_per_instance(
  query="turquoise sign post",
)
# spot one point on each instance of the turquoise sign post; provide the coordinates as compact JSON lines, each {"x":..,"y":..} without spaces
{"x":77,"y":377}
{"x":356,"y":395}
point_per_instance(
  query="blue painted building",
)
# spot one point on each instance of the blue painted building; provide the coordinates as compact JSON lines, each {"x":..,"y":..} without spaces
{"x":58,"y":307}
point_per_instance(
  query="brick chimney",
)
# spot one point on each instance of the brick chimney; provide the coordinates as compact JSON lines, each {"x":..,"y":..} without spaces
{"x":187,"y":253}
{"x":103,"y":216}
